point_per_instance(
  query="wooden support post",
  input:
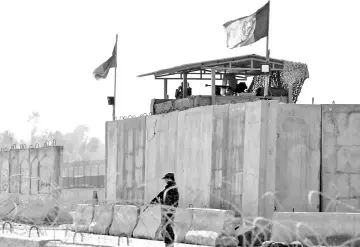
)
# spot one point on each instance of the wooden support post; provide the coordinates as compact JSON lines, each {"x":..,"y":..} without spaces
{"x":185,"y":86}
{"x":290,"y":94}
{"x":165,"y":89}
{"x":213,"y":86}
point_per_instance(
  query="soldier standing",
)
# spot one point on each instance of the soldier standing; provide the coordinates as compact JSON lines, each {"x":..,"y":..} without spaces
{"x":169,"y":199}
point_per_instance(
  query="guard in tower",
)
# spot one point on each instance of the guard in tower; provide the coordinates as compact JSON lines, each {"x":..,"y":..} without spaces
{"x":179,"y":91}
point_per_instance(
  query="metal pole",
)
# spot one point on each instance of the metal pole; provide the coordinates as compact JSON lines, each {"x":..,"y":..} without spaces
{"x":267,"y":37}
{"x":267,"y":80}
{"x":115,"y":81}
{"x":185,"y":86}
{"x":165,"y":88}
{"x":213,"y":86}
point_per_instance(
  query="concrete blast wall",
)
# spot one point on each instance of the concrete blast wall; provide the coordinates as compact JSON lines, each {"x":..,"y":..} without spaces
{"x":30,"y":174}
{"x":125,"y":159}
{"x":30,"y":171}
{"x":341,"y":157}
{"x":161,"y":151}
{"x":298,"y":157}
{"x":206,"y":149}
{"x":257,"y":157}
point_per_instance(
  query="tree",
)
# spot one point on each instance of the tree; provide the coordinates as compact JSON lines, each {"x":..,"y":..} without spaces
{"x":7,"y":138}
{"x":34,"y":117}
{"x":77,"y":144}
{"x":93,"y":145}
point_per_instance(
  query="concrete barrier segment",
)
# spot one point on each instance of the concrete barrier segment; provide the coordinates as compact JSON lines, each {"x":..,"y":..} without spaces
{"x":182,"y":223}
{"x":149,"y":224}
{"x":14,"y":241}
{"x":103,"y":218}
{"x":318,"y":228}
{"x":207,"y":219}
{"x":125,"y":219}
{"x":201,"y":237}
{"x":63,"y":217}
{"x":59,"y":237}
{"x":83,"y":217}
{"x":6,"y":209}
{"x":37,"y":211}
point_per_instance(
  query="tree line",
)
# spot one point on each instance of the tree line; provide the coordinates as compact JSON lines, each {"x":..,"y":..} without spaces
{"x":78,"y":146}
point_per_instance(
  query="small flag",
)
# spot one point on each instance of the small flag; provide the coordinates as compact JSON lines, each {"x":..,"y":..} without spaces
{"x":249,"y":29}
{"x":102,"y":71}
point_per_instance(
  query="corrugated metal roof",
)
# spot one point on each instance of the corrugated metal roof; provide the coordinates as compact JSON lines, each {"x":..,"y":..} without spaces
{"x":240,"y":61}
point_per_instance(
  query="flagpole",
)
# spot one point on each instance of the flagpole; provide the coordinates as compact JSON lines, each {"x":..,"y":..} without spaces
{"x":267,"y":78}
{"x":267,"y":37}
{"x":115,"y":80}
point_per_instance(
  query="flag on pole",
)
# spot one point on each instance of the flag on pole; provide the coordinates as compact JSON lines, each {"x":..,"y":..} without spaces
{"x":249,"y":29}
{"x":102,"y":71}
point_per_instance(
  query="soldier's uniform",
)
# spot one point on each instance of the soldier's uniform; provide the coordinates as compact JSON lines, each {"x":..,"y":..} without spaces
{"x":169,"y":199}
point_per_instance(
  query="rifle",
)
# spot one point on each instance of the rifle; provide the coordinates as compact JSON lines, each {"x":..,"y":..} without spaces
{"x":146,"y":208}
{"x":219,"y":86}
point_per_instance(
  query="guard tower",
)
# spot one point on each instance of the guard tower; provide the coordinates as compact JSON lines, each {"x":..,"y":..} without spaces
{"x":286,"y":80}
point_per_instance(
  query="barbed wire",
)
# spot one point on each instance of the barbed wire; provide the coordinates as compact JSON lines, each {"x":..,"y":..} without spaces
{"x":24,"y":146}
{"x":135,"y":196}
{"x":133,"y":116}
{"x":173,"y":108}
{"x":258,"y":225}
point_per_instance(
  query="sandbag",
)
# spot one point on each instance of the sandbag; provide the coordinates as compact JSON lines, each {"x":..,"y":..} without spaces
{"x":201,"y":237}
{"x":226,"y":241}
{"x":83,"y":217}
{"x":231,"y":225}
{"x":149,"y":224}
{"x":125,"y":220}
{"x":103,"y":217}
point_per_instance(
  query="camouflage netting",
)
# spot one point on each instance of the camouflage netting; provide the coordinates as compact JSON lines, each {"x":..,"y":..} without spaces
{"x":293,"y":73}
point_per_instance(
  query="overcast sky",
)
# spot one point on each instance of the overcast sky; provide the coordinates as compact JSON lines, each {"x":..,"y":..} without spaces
{"x":49,"y":49}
